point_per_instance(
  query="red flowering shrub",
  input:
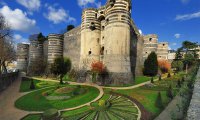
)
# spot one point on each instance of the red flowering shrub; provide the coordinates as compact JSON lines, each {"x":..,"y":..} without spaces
{"x":164,"y":66}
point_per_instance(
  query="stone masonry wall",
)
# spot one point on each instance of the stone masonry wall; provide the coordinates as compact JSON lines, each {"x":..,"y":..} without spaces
{"x":71,"y":47}
{"x":194,"y":108}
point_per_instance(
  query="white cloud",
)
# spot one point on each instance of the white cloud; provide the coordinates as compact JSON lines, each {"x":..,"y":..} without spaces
{"x":177,"y":35}
{"x":18,"y":20}
{"x":140,"y":31}
{"x":58,"y":15}
{"x":169,"y":48}
{"x":84,"y":3}
{"x":188,"y":16}
{"x":18,"y":38}
{"x":31,"y":5}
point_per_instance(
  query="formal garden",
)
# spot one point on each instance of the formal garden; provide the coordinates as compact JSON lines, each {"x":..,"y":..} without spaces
{"x":62,"y":97}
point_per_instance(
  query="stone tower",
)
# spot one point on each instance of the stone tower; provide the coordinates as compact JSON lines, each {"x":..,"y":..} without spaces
{"x":106,"y":37}
{"x":22,"y":56}
{"x":35,"y":50}
{"x":55,"y":47}
{"x":150,"y":44}
{"x":162,"y":50}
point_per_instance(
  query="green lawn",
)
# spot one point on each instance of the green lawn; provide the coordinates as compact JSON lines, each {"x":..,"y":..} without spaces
{"x":141,"y":79}
{"x":147,"y":95}
{"x":115,"y":108}
{"x":35,"y":101}
{"x":74,"y":112}
{"x":25,"y":85}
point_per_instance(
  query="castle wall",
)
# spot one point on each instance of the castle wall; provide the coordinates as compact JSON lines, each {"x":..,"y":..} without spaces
{"x":90,"y":39}
{"x":35,"y":51}
{"x":22,"y":56}
{"x":150,"y":44}
{"x":45,"y":51}
{"x":162,"y":50}
{"x":55,"y":47}
{"x":110,"y":41}
{"x":72,"y":45}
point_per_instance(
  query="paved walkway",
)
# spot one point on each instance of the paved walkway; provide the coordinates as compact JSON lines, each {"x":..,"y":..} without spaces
{"x":7,"y":101}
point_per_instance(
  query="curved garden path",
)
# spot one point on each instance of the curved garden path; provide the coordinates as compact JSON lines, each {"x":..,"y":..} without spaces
{"x":132,"y":87}
{"x":11,"y":94}
{"x":101,"y":92}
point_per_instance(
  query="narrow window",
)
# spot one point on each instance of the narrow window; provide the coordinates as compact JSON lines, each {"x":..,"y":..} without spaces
{"x":90,"y":52}
{"x":103,"y":27}
{"x":150,"y":39}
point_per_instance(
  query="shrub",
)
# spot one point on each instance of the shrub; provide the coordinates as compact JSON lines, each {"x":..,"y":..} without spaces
{"x":178,"y":65}
{"x":168,"y":75}
{"x":178,"y":84}
{"x":164,"y":66}
{"x":183,"y":79}
{"x":152,"y":80}
{"x":160,"y":78}
{"x":169,"y":92}
{"x":159,"y":103}
{"x":102,"y":103}
{"x":32,"y":85}
{"x":51,"y":114}
{"x":97,"y":68}
{"x":151,"y":65}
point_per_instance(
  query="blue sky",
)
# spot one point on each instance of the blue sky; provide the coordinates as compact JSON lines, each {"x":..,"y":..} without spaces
{"x":173,"y":20}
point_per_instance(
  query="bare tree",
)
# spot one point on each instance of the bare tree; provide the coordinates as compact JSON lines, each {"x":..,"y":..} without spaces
{"x":7,"y":48}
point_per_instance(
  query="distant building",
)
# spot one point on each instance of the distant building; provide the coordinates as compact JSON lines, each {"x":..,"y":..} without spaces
{"x":171,"y":55}
{"x":151,"y":44}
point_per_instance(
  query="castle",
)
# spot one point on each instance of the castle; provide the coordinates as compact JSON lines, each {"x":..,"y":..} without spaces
{"x":107,"y":34}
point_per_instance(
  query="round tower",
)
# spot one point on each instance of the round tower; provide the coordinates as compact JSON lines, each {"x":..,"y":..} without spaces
{"x":117,"y":37}
{"x":90,"y":38}
{"x":55,"y":47}
{"x":35,"y":50}
{"x":22,"y":56}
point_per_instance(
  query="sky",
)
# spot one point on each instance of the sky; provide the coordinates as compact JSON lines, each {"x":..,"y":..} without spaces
{"x":172,"y":20}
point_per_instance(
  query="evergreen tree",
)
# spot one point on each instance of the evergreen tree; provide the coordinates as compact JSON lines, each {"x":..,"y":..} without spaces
{"x":183,"y":79}
{"x":159,"y":103}
{"x":169,"y":92}
{"x":32,"y":85}
{"x":151,"y":65}
{"x":160,"y":78}
{"x":178,"y":55}
{"x":152,"y":80}
{"x":178,"y":84}
{"x":70,"y":27}
{"x":41,"y":38}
